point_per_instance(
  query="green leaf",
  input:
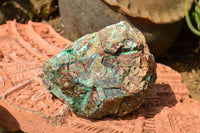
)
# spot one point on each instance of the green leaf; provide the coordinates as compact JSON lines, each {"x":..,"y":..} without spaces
{"x":189,"y":23}
{"x":197,"y":15}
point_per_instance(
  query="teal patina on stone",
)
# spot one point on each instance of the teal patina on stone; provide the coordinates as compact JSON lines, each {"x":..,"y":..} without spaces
{"x":105,"y":73}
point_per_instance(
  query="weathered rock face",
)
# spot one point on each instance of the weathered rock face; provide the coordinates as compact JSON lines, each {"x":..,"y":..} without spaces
{"x":105,"y":73}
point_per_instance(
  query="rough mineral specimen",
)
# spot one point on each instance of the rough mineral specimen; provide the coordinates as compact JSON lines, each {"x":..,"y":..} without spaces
{"x":105,"y":73}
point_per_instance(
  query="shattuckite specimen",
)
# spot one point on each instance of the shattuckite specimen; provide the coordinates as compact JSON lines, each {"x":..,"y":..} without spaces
{"x":104,"y":73}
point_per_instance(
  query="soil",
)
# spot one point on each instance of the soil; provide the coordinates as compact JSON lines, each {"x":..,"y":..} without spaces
{"x":183,"y":56}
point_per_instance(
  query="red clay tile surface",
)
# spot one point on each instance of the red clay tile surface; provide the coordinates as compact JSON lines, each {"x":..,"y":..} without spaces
{"x":25,"y":104}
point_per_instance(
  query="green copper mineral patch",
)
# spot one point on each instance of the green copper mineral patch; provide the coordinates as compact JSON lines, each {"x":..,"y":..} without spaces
{"x":105,"y":73}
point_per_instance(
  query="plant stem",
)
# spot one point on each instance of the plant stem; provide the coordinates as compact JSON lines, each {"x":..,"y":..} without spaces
{"x":189,"y":23}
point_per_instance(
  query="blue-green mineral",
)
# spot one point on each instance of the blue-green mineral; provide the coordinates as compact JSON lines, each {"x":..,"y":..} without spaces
{"x":104,"y":73}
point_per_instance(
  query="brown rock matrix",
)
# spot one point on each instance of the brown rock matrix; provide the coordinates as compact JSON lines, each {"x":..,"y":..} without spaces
{"x":30,"y":107}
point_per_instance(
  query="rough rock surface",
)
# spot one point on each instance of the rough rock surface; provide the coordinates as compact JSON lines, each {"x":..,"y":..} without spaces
{"x":105,"y":73}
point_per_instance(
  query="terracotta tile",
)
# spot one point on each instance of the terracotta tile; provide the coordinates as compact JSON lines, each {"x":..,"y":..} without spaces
{"x":166,"y":109}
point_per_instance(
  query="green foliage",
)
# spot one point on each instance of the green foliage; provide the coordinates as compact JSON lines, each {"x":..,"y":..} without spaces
{"x":196,"y":17}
